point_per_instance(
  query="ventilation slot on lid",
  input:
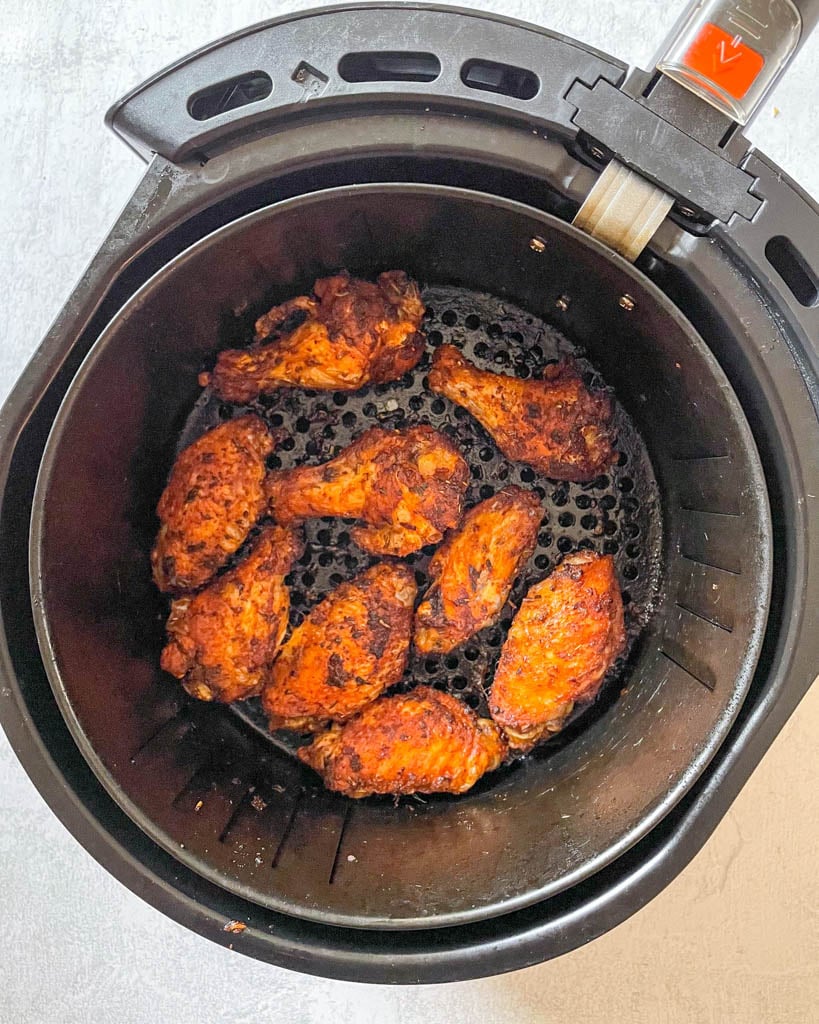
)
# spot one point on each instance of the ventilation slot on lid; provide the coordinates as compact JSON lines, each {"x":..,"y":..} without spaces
{"x":793,"y":268}
{"x":506,"y":79}
{"x":389,"y":66}
{"x":230,"y":95}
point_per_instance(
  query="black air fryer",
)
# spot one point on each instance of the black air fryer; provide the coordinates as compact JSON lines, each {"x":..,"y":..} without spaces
{"x":549,"y":201}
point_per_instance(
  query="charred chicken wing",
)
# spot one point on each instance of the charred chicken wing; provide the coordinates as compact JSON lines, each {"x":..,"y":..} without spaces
{"x":353,"y":333}
{"x":351,"y":647}
{"x":222,"y":640}
{"x":473,"y":570}
{"x":418,"y":742}
{"x":214,"y":497}
{"x":406,"y":485}
{"x":565,"y":637}
{"x":556,"y":425}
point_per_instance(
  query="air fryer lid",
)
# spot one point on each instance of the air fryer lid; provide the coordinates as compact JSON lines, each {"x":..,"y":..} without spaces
{"x":226,"y":801}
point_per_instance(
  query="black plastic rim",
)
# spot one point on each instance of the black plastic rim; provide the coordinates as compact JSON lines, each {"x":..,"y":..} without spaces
{"x":103,"y":774}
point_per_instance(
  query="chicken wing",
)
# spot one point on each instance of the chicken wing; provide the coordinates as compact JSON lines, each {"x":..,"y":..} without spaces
{"x":565,"y":637}
{"x":473,"y":571}
{"x":556,"y":425}
{"x":406,"y":485}
{"x":353,"y":333}
{"x":213,"y":499}
{"x":351,"y":647}
{"x":222,"y":640}
{"x":418,"y":742}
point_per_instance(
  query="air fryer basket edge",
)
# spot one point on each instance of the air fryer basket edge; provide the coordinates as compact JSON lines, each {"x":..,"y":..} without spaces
{"x":321,"y":913}
{"x":609,"y":898}
{"x":790,"y":666}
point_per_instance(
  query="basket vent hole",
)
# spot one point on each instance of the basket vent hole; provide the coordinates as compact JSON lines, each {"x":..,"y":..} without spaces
{"x":230,"y":95}
{"x":794,"y":270}
{"x":506,"y":79}
{"x":389,"y":66}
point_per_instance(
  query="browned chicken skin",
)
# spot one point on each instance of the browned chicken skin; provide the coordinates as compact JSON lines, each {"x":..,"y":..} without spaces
{"x":355,"y":333}
{"x":565,"y":637}
{"x":473,"y":571}
{"x":556,"y":425}
{"x":351,"y":647}
{"x":406,"y":485}
{"x":213,"y":499}
{"x":222,"y":640}
{"x":418,"y":742}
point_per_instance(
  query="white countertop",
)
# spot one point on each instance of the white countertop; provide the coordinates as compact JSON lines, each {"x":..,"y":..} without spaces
{"x":734,"y":938}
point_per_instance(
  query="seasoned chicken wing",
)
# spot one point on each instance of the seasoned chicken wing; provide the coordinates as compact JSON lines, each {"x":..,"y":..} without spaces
{"x":352,"y":646}
{"x":353,"y":333}
{"x":213,"y":498}
{"x":473,"y":571}
{"x":222,"y":640}
{"x":556,"y":425}
{"x":406,"y":485}
{"x":418,"y":742}
{"x":565,"y":637}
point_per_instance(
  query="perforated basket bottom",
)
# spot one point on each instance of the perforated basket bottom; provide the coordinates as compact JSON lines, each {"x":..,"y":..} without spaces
{"x":618,"y":513}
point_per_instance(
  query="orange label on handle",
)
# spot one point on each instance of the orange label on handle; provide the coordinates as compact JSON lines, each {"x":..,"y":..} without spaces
{"x":725,"y":60}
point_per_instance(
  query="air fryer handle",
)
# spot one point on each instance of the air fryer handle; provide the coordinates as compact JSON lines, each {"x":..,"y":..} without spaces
{"x":731,"y":53}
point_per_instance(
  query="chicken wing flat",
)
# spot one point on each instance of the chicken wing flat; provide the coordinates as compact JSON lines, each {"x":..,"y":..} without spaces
{"x":418,"y":742}
{"x":214,"y":497}
{"x":565,"y":637}
{"x":352,"y":646}
{"x":222,"y":640}
{"x":473,"y":571}
{"x":556,"y":425}
{"x":406,"y":485}
{"x":353,"y":333}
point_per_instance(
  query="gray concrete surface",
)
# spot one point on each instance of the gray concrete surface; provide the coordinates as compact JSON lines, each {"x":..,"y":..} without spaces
{"x":735,"y":938}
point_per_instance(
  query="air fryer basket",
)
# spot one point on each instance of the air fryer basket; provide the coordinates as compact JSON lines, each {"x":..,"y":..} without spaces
{"x":215,"y":792}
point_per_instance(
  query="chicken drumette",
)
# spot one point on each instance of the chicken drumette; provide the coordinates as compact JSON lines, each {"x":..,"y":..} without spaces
{"x":222,"y":640}
{"x":352,"y":646}
{"x":406,"y":485}
{"x":213,"y":499}
{"x":556,"y":424}
{"x":352,"y":333}
{"x":565,"y":637}
{"x":419,"y":742}
{"x":473,"y":570}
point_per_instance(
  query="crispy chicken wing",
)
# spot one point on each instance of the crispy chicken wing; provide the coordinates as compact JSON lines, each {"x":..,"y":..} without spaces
{"x":565,"y":637}
{"x":353,"y":333}
{"x":406,"y":485}
{"x":222,"y":640}
{"x":351,"y":647}
{"x":556,"y":425}
{"x":418,"y":742}
{"x":213,"y":498}
{"x":473,"y":571}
